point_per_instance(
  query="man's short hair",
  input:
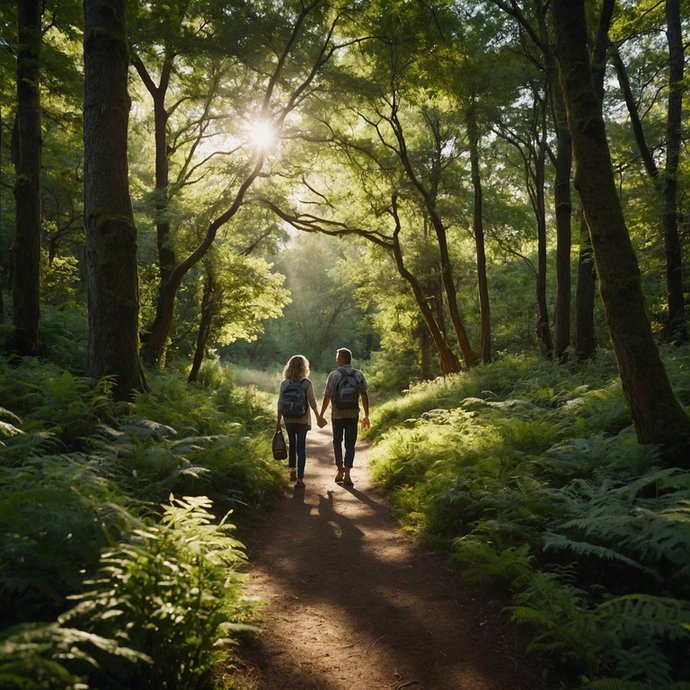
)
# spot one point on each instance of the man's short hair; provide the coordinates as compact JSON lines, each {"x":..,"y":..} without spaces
{"x":345,"y":354}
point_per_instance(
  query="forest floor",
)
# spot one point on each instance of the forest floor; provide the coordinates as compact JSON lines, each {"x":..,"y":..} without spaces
{"x":353,"y":604}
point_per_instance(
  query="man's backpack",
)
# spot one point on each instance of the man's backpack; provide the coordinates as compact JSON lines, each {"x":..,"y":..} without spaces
{"x":295,"y":399}
{"x":346,"y":390}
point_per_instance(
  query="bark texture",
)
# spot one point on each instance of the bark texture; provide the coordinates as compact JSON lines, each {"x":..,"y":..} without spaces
{"x":585,"y":337}
{"x":478,"y":229}
{"x":26,"y":250}
{"x":674,"y":257}
{"x":111,"y":235}
{"x":656,"y":413}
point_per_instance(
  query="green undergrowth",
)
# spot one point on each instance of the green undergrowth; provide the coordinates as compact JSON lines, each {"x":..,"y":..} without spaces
{"x":529,"y":474}
{"x":120,"y":558}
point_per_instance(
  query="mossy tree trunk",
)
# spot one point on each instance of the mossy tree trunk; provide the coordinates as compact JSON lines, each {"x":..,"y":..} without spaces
{"x":26,"y":250}
{"x":656,"y":413}
{"x":585,"y":337}
{"x":111,"y":235}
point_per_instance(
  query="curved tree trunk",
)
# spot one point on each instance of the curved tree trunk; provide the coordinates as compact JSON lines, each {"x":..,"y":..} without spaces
{"x":666,"y":184}
{"x":451,"y":295}
{"x":168,"y":288}
{"x":111,"y":235}
{"x":166,"y":255}
{"x":449,"y":362}
{"x":429,"y":197}
{"x":656,"y":413}
{"x":26,"y":250}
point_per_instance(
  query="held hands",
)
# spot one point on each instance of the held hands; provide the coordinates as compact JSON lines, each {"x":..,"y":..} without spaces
{"x":321,"y":421}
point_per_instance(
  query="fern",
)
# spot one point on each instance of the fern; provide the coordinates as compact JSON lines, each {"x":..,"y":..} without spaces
{"x":44,"y":655}
{"x":510,"y":567}
{"x":643,"y":613}
{"x":583,"y":548}
{"x":173,"y":592}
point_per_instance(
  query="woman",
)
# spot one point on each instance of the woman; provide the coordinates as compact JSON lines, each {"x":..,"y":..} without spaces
{"x":295,"y":398}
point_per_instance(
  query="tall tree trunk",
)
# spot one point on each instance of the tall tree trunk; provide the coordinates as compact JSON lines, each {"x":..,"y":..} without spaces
{"x":204,"y":331}
{"x":666,"y":184}
{"x":562,"y":197}
{"x":585,"y":337}
{"x":166,"y":255}
{"x":452,"y":297}
{"x":111,"y":235}
{"x":429,"y":198}
{"x":542,"y":329}
{"x":674,"y":260}
{"x":656,"y":413}
{"x":26,"y":251}
{"x":449,"y":362}
{"x":478,"y":229}
{"x":563,"y":204}
{"x":585,"y":340}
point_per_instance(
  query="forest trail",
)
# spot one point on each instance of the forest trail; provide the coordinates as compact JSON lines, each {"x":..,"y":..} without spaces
{"x":354,"y":605}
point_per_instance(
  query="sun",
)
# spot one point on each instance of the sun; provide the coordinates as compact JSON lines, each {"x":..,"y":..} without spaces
{"x":263,"y":134}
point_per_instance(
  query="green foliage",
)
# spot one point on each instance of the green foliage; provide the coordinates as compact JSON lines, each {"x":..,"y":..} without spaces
{"x":80,"y":474}
{"x":172,"y":592}
{"x":529,"y":473}
{"x":35,"y":656}
{"x":56,"y":514}
{"x":64,"y":332}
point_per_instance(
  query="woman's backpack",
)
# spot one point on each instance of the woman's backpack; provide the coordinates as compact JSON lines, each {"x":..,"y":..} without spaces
{"x":295,"y":399}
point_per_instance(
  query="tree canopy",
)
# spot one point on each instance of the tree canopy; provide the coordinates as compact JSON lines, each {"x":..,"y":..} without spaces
{"x":429,"y":141}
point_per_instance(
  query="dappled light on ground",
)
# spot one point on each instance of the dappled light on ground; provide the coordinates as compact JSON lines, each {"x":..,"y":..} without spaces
{"x":354,"y":605}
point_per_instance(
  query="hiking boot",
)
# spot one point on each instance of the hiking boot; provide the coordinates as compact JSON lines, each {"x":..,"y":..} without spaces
{"x":340,"y":475}
{"x":293,"y":475}
{"x":299,"y":484}
{"x":347,"y":479}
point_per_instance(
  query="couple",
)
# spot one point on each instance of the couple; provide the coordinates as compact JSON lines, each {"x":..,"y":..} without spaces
{"x":344,"y":415}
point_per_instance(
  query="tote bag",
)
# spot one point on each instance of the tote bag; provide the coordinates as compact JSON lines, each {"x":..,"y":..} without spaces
{"x":279,"y":447}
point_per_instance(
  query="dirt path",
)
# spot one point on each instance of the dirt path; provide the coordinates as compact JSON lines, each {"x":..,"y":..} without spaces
{"x":354,"y":606}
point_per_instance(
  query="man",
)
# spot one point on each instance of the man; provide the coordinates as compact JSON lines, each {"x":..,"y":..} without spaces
{"x":345,"y":414}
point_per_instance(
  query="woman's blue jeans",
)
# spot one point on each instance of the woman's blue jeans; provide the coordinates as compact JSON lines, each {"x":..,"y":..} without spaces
{"x":297,"y":446}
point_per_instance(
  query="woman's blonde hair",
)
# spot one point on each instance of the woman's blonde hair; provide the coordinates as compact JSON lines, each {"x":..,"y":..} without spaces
{"x":297,"y":368}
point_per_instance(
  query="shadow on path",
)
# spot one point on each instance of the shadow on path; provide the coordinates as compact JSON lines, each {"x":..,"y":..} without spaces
{"x":354,"y":605}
